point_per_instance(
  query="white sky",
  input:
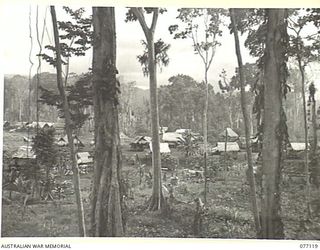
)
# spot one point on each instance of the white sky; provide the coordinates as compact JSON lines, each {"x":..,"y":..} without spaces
{"x":16,"y":46}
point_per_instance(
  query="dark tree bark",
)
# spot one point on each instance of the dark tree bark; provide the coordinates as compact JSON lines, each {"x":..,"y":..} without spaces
{"x":106,"y":203}
{"x":274,"y":63}
{"x":247,"y":125}
{"x":76,"y":177}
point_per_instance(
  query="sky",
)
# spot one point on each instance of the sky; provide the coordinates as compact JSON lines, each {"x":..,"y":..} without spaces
{"x":16,"y":46}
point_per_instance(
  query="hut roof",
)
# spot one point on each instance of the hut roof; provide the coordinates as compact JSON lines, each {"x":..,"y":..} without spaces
{"x":41,"y":124}
{"x":183,"y":130}
{"x":298,"y":146}
{"x":84,"y":158}
{"x":142,"y":140}
{"x":24,"y":152}
{"x":172,"y":137}
{"x":63,"y":141}
{"x":164,"y":148}
{"x":230,"y":133}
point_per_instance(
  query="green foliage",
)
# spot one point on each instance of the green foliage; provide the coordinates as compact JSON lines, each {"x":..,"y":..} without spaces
{"x":43,"y":146}
{"x":304,"y":48}
{"x":77,"y":33}
{"x":251,"y":76}
{"x":313,"y":15}
{"x":131,"y":17}
{"x":252,"y":22}
{"x":79,"y":97}
{"x":181,"y":105}
{"x":46,"y":153}
{"x":81,"y":92}
{"x":161,"y":55}
{"x":189,"y":144}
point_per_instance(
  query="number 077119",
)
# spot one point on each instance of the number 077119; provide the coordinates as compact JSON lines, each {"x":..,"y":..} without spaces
{"x":306,"y":246}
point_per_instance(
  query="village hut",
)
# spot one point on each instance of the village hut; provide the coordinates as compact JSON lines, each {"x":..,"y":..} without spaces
{"x":41,"y":125}
{"x":140,"y":143}
{"x":183,"y":131}
{"x":59,"y":128}
{"x":172,"y":138}
{"x":232,"y":136}
{"x":63,"y":141}
{"x":295,"y":150}
{"x":23,"y":157}
{"x":84,"y":158}
{"x":230,"y":147}
{"x":164,"y":148}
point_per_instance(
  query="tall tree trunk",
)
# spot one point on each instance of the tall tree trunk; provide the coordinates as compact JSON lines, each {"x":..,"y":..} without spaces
{"x":314,"y":149}
{"x":157,"y":201}
{"x":106,"y":204}
{"x":20,"y":109}
{"x":76,"y":177}
{"x":274,"y":60}
{"x":247,"y":126}
{"x":205,"y":132}
{"x":230,"y":115}
{"x":306,"y":153}
{"x":314,"y":126}
{"x":157,"y":197}
{"x":295,"y":116}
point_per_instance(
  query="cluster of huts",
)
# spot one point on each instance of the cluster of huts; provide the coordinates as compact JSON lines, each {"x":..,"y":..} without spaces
{"x":168,"y":140}
{"x":173,"y":139}
{"x":228,"y":141}
{"x":25,"y":156}
{"x":23,"y":126}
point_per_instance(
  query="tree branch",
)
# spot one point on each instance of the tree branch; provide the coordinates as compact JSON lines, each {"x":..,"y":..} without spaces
{"x":213,"y":50}
{"x":139,"y":14}
{"x":154,"y":20}
{"x":197,"y":48}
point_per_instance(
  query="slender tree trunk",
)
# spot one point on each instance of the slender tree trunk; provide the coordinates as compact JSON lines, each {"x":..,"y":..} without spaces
{"x":205,"y":133}
{"x":295,"y":115}
{"x":306,"y":153}
{"x":157,"y":197}
{"x":314,"y":149}
{"x":252,"y":131}
{"x":225,"y":153}
{"x":20,"y":109}
{"x":106,"y":203}
{"x":271,"y":222}
{"x":157,"y":201}
{"x":314,"y":127}
{"x":230,"y":115}
{"x":247,"y":126}
{"x":76,"y":177}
